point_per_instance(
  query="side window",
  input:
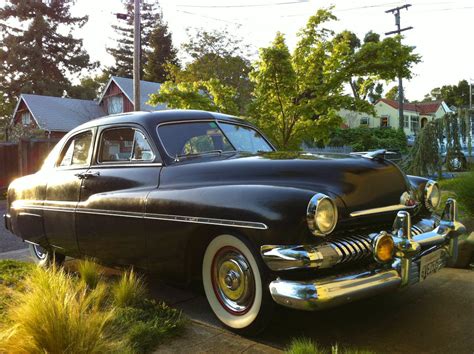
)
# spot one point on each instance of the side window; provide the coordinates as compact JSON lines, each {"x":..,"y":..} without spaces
{"x":124,"y":145}
{"x":141,"y":149}
{"x":77,"y":150}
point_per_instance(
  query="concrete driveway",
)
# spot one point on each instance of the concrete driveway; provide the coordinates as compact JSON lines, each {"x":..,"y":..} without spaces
{"x":437,"y":316}
{"x":8,"y":242}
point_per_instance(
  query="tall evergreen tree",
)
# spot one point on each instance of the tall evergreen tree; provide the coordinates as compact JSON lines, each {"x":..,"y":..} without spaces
{"x":156,"y":45}
{"x":36,"y":55}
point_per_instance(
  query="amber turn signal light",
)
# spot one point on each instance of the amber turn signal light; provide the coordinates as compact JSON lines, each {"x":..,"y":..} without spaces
{"x":384,"y":248}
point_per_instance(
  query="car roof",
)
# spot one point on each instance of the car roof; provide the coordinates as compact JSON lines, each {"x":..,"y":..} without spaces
{"x":158,"y":117}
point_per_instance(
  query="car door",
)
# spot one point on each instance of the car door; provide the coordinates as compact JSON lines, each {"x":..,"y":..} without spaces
{"x":109,"y":218}
{"x":63,"y":189}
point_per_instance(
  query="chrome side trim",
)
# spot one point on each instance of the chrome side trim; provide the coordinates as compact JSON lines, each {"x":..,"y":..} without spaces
{"x":395,"y":207}
{"x":153,"y":216}
{"x":208,"y":221}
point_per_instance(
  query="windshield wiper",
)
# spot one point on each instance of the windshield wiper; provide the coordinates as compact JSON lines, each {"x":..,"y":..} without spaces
{"x":196,"y":154}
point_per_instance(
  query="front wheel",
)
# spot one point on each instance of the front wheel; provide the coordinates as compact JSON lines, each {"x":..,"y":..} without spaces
{"x":44,"y":257}
{"x":235,"y":285}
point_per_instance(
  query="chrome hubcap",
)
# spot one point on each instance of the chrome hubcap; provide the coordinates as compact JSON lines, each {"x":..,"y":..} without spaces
{"x":40,"y":252}
{"x":233,"y":281}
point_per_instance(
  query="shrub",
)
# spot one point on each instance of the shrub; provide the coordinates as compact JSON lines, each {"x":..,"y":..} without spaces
{"x":463,"y":187}
{"x":304,"y":346}
{"x":89,"y":272}
{"x":57,"y":315}
{"x":363,"y":139}
{"x":307,"y":346}
{"x":130,"y":290}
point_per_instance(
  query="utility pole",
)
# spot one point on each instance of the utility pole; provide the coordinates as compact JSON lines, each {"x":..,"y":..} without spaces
{"x":470,"y":93}
{"x":396,"y":12}
{"x":136,"y":55}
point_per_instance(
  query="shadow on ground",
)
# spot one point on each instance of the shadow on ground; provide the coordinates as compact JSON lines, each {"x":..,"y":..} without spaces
{"x":433,"y":317}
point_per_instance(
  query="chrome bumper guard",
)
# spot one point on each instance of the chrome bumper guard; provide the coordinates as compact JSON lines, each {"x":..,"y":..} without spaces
{"x":411,"y":243}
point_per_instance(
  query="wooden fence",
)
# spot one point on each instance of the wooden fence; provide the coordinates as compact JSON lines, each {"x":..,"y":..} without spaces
{"x":22,"y":158}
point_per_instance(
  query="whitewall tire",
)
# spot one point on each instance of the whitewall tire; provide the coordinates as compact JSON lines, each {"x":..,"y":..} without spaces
{"x":44,"y":257}
{"x":235,"y":285}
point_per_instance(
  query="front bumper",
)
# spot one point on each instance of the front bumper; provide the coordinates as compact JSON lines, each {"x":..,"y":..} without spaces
{"x":343,"y":288}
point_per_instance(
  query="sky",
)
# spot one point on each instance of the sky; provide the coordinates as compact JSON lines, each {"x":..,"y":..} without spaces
{"x":442,"y":29}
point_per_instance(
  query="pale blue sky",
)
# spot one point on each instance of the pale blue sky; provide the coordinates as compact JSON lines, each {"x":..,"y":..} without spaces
{"x":443,"y":29}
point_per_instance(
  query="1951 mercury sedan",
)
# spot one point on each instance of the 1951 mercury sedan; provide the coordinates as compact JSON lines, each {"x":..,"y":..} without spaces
{"x":198,"y":195}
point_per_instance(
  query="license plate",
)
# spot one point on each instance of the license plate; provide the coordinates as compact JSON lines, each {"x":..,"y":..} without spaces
{"x":430,"y":264}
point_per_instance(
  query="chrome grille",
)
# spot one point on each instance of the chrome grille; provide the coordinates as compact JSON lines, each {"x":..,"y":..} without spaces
{"x":351,"y":248}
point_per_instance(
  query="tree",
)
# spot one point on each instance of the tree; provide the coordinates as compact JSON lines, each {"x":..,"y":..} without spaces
{"x":297,"y":96}
{"x":89,"y":87}
{"x":377,"y":60}
{"x":209,"y":95}
{"x":218,"y":55}
{"x":392,"y":94}
{"x":453,"y":95}
{"x":156,"y":44}
{"x":39,"y":53}
{"x":161,"y":54}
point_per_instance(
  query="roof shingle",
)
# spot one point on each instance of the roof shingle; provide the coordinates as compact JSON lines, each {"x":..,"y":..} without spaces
{"x":59,"y":113}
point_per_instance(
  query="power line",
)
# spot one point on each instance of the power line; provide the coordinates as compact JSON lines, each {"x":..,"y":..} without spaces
{"x":208,"y":17}
{"x":250,"y":5}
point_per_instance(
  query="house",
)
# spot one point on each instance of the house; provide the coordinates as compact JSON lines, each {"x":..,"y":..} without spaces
{"x":117,"y":96}
{"x":54,"y":115}
{"x":416,"y":115}
{"x":58,"y":115}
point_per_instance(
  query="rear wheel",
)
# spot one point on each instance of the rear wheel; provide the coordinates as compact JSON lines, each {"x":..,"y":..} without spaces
{"x":235,"y":285}
{"x":44,"y":257}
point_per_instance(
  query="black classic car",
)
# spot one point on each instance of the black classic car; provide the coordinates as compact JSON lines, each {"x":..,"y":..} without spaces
{"x":194,"y":195}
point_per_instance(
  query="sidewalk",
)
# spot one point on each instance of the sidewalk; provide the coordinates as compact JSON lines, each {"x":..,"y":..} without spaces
{"x":202,"y":338}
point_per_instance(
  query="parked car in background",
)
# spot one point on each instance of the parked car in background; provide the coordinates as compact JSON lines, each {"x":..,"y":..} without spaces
{"x":198,"y":195}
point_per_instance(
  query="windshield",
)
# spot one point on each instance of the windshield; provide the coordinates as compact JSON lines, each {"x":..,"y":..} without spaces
{"x":192,"y":138}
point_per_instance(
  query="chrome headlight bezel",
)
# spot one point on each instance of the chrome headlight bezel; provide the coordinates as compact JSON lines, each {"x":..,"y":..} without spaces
{"x":312,"y":213}
{"x":430,"y":187}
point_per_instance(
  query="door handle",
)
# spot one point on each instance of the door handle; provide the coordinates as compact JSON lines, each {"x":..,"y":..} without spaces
{"x":86,"y":175}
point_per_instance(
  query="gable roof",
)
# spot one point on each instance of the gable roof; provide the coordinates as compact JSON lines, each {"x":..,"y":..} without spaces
{"x":422,"y":107}
{"x":59,"y":113}
{"x":146,"y":89}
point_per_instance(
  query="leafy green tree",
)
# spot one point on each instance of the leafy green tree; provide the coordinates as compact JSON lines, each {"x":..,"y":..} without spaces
{"x":392,"y":94}
{"x":453,"y":95}
{"x":297,"y":96}
{"x":39,"y":53}
{"x":209,"y":95}
{"x":375,"y":61}
{"x":156,"y":44}
{"x":89,"y":87}
{"x":217,"y":55}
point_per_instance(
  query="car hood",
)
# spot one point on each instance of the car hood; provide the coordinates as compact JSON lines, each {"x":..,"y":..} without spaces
{"x":357,"y":183}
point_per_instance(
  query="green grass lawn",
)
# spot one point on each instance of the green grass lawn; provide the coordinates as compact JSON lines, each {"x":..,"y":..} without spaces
{"x":52,"y":310}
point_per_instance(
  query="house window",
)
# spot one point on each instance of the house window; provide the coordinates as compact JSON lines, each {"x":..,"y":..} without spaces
{"x":115,"y":104}
{"x":406,"y":121}
{"x":414,"y":123}
{"x":384,"y":122}
{"x":364,"y":122}
{"x":25,"y":118}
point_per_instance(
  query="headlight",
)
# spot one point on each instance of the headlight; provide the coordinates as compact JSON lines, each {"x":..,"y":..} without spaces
{"x":321,"y":215}
{"x":432,"y":195}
